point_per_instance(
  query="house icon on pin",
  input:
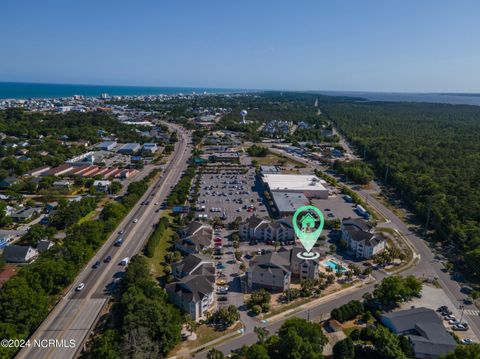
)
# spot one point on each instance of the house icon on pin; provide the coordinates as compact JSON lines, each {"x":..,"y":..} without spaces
{"x":307,"y":221}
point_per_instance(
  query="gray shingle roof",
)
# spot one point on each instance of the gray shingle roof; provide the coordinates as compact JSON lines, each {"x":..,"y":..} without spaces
{"x":192,"y":288}
{"x":405,"y":320}
{"x":190,"y":261}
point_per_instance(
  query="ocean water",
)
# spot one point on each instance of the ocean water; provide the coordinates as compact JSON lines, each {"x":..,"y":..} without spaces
{"x":22,"y":90}
{"x":447,"y":98}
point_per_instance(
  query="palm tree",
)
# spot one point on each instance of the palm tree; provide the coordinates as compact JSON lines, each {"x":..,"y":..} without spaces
{"x":262,"y":334}
{"x":190,"y":323}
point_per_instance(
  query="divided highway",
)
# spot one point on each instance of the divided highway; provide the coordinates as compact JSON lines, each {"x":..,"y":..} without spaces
{"x":70,"y":322}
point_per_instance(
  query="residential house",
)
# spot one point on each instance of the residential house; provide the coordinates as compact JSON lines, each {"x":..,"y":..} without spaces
{"x":9,"y":182}
{"x":44,"y":245}
{"x":150,"y":147}
{"x":263,"y":230}
{"x":63,"y":184}
{"x":361,"y":239}
{"x":19,"y":254}
{"x":102,"y":186}
{"x":425,"y":330}
{"x":25,"y":214}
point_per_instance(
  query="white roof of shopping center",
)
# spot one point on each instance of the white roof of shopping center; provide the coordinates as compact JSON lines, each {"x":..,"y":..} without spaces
{"x":285,"y":182}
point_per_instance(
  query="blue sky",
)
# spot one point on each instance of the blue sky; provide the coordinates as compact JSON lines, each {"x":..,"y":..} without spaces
{"x":401,"y":45}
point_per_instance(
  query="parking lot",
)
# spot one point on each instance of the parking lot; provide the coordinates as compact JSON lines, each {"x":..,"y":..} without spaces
{"x":228,"y":195}
{"x":336,"y":207}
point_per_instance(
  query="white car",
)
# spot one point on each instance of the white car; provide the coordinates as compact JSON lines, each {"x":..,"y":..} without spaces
{"x":80,"y":287}
{"x":460,"y":327}
{"x":124,"y":261}
{"x":135,"y":220}
{"x":467,"y":341}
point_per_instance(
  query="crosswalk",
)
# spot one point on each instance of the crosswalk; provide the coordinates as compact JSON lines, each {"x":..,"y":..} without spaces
{"x":471,"y":312}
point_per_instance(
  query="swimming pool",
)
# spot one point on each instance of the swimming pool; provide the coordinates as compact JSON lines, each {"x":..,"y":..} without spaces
{"x":334,"y":265}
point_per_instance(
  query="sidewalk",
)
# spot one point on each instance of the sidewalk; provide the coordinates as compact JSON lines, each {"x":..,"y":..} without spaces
{"x":287,"y":314}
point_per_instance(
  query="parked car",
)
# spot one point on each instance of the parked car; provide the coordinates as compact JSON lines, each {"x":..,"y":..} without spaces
{"x":124,"y":261}
{"x":460,"y":327}
{"x":449,"y":317}
{"x":466,"y":289}
{"x":466,"y":341}
{"x":96,"y":265}
{"x":118,"y":242}
{"x":442,"y":308}
{"x":80,"y":287}
{"x":107,"y":259}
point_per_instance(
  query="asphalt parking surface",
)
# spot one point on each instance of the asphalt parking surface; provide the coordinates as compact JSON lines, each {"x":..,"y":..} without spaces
{"x":336,"y":207}
{"x":229,"y":196}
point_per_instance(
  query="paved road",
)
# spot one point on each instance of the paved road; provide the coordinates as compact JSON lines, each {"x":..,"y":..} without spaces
{"x":75,"y":314}
{"x":427,"y":266}
{"x":315,"y":312}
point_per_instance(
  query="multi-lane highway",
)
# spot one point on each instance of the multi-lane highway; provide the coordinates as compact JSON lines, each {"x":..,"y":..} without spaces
{"x":70,"y":322}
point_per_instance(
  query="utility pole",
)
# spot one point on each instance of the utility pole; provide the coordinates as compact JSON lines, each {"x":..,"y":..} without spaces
{"x":428,"y":215}
{"x":462,"y":307}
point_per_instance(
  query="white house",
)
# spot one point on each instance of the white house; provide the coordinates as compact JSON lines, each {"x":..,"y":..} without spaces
{"x":19,"y":254}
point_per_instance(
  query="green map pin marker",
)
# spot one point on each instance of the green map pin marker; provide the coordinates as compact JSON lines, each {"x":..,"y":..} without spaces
{"x":308,"y":221}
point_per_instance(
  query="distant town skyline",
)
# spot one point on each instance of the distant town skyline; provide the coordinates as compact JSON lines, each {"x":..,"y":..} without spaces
{"x":401,"y":46}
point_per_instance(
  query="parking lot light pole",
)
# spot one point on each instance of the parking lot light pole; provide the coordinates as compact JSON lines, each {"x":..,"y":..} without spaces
{"x":462,"y":307}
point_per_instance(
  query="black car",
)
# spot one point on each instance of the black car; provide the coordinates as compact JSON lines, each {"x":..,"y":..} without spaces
{"x":96,"y":265}
{"x":107,"y":259}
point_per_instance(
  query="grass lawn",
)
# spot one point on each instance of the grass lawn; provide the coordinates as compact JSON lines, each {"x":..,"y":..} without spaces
{"x":205,"y":334}
{"x":282,"y":308}
{"x":155,"y":263}
{"x":89,"y":217}
{"x":397,"y":211}
{"x":273,"y":159}
{"x":402,"y":246}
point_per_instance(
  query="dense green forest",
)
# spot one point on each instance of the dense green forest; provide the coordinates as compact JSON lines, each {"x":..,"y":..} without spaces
{"x":432,"y":153}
